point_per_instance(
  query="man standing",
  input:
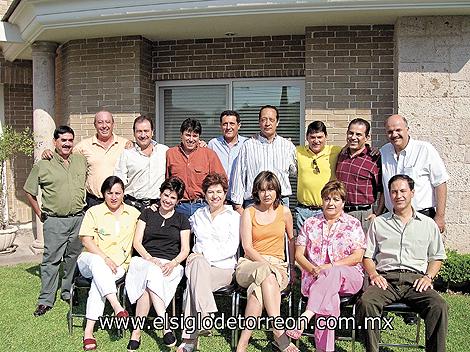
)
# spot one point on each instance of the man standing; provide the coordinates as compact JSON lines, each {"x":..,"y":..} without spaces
{"x":62,"y":182}
{"x":361,"y":172}
{"x":404,"y":254}
{"x":267,"y":151}
{"x":420,"y":161}
{"x":191,"y":163}
{"x":227,"y":147}
{"x":142,"y":167}
{"x":316,"y":164}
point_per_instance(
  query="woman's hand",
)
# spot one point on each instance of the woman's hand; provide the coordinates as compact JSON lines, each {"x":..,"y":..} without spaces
{"x":155,"y":261}
{"x":317,"y":269}
{"x":168,"y":267}
{"x":112,"y":265}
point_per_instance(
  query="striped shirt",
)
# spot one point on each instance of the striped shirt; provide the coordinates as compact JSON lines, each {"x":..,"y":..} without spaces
{"x":256,"y":155}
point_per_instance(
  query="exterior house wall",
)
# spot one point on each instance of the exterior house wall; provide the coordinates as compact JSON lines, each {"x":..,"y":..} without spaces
{"x":433,"y":93}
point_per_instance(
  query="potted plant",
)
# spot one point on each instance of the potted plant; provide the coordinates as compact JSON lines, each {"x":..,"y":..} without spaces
{"x":12,"y":143}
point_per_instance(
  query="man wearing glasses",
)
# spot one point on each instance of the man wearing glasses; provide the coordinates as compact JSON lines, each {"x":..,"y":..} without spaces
{"x":316,"y":165}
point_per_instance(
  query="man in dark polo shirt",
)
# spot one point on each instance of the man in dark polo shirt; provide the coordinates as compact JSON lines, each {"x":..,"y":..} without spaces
{"x":360,"y":171}
{"x":191,"y":163}
{"x":62,"y":183}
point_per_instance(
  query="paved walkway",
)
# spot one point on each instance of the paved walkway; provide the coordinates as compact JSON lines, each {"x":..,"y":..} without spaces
{"x":23,"y":254}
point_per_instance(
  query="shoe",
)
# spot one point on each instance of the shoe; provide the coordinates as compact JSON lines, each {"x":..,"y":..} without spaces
{"x":294,"y":334}
{"x":169,"y":339}
{"x":284,"y":345}
{"x":122,"y":314}
{"x":187,"y":347}
{"x":410,"y":319}
{"x":133,"y":345}
{"x":89,"y":344}
{"x":41,"y":309}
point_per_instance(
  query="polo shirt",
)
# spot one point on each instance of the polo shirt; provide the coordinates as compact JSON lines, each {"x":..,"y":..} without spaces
{"x":112,"y":235}
{"x":394,"y":245}
{"x":62,"y":185}
{"x":309,"y":182}
{"x":419,"y":160}
{"x":192,"y":168}
{"x":100,"y":161}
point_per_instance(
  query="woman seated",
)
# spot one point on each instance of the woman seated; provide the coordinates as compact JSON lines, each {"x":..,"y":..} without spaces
{"x":263,"y":270}
{"x":212,"y":263}
{"x":162,"y":242}
{"x":329,"y":249}
{"x":107,"y":231}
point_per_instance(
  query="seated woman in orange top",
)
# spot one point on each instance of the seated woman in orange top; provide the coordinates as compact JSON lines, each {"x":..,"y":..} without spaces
{"x":263,"y":270}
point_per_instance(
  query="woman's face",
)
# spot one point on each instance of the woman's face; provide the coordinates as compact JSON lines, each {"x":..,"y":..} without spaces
{"x":267,"y":194}
{"x":215,"y":196}
{"x":114,"y":197}
{"x":168,"y":200}
{"x":332,"y":206}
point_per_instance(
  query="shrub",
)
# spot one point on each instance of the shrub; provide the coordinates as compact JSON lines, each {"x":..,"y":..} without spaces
{"x":455,"y":273}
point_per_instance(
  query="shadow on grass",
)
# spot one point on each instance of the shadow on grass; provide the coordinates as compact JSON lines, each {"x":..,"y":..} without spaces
{"x":34,"y":270}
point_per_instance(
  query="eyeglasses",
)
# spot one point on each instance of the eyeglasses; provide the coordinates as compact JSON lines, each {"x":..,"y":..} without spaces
{"x":315,"y":167}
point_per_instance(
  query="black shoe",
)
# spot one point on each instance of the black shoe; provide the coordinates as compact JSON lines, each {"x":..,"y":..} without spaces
{"x":41,"y":309}
{"x":133,"y":345}
{"x":410,"y":319}
{"x":169,"y":339}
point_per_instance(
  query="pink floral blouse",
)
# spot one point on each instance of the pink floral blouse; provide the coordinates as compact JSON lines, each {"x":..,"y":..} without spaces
{"x":346,"y":235}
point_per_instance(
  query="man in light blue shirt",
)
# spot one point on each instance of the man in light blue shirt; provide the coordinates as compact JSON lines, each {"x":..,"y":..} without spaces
{"x":228,"y":145}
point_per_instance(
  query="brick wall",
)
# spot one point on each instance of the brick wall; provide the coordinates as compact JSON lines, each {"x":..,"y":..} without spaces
{"x":269,"y":56}
{"x":348,"y":74}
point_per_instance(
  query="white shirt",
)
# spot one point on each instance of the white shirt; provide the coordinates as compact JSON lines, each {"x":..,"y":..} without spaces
{"x":142,"y":175}
{"x":217,"y":239}
{"x":256,"y":155}
{"x":419,"y":160}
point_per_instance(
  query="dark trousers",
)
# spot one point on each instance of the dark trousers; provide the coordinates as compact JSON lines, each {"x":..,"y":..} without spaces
{"x":429,"y":304}
{"x":92,"y":200}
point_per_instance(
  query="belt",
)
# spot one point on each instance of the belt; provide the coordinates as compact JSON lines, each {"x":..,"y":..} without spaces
{"x":402,"y":271}
{"x":311,"y":207}
{"x":45,"y":216}
{"x":144,"y":201}
{"x":193,"y":201}
{"x":348,"y":208}
{"x":430,"y":212}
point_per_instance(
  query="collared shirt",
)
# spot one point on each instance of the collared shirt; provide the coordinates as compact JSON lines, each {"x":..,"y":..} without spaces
{"x":62,"y":185}
{"x":192,"y":168}
{"x":394,"y":245}
{"x":217,"y":239}
{"x":112,"y":235}
{"x":258,"y":154}
{"x":142,"y":174}
{"x":361,"y":175}
{"x":323,"y":246}
{"x":100,"y":161}
{"x":309,"y":181}
{"x":422,"y":163}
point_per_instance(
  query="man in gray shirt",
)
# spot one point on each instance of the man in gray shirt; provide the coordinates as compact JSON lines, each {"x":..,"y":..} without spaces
{"x":403,"y":256}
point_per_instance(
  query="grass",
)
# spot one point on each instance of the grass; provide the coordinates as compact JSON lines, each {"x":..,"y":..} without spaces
{"x":20,"y":331}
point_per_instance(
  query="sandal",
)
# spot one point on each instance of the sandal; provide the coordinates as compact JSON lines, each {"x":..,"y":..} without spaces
{"x":122,"y":314}
{"x":294,"y":334}
{"x":89,"y":344}
{"x":286,"y":345}
{"x":133,"y":345}
{"x":188,"y":347}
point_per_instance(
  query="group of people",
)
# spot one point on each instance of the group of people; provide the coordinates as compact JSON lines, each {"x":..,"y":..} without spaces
{"x":133,"y":207}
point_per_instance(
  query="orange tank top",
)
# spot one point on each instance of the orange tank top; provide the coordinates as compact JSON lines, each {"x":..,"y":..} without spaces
{"x":269,"y":239}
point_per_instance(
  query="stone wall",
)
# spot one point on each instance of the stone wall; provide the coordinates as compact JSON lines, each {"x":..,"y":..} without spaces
{"x":433,"y":93}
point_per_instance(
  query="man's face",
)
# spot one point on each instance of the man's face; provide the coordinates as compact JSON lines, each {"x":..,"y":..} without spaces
{"x":401,"y":195}
{"x":104,"y":125}
{"x":190,"y":140}
{"x":356,"y":137}
{"x":143,"y":134}
{"x":229,"y":127}
{"x":268,"y":122}
{"x":316,"y":141}
{"x":397,"y":132}
{"x":64,"y":144}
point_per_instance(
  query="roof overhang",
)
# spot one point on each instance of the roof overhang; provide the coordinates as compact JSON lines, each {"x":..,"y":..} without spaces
{"x":64,"y":20}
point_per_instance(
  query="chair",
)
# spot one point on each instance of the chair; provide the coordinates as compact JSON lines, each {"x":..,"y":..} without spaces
{"x":399,"y":308}
{"x":81,"y":283}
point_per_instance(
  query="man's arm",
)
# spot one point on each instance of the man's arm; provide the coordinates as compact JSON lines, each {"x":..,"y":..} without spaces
{"x":33,"y":201}
{"x":422,"y":284}
{"x":441,"y":201}
{"x":375,"y":278}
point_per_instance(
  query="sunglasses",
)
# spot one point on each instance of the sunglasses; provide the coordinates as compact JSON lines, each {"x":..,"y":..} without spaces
{"x":315,"y":167}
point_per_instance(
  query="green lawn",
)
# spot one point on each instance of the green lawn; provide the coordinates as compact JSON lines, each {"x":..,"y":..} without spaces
{"x":20,"y":331}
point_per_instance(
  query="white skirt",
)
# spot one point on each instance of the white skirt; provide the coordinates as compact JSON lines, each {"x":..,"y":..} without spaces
{"x":143,"y":274}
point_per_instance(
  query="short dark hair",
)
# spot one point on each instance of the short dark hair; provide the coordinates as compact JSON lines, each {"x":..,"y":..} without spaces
{"x":109,"y":182}
{"x":63,"y":129}
{"x":140,"y":119}
{"x":271,"y":181}
{"x":316,"y":127}
{"x":173,"y":184}
{"x":359,"y":121}
{"x":191,"y":125}
{"x":406,"y":178}
{"x":334,"y":187}
{"x":230,"y":113}
{"x":268,"y":107}
{"x":215,"y":179}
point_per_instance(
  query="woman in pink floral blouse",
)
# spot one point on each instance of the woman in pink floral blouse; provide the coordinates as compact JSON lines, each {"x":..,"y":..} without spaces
{"x":329,"y":249}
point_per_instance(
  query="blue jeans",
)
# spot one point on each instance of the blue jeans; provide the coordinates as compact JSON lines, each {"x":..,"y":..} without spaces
{"x":302,"y":214}
{"x":189,"y":208}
